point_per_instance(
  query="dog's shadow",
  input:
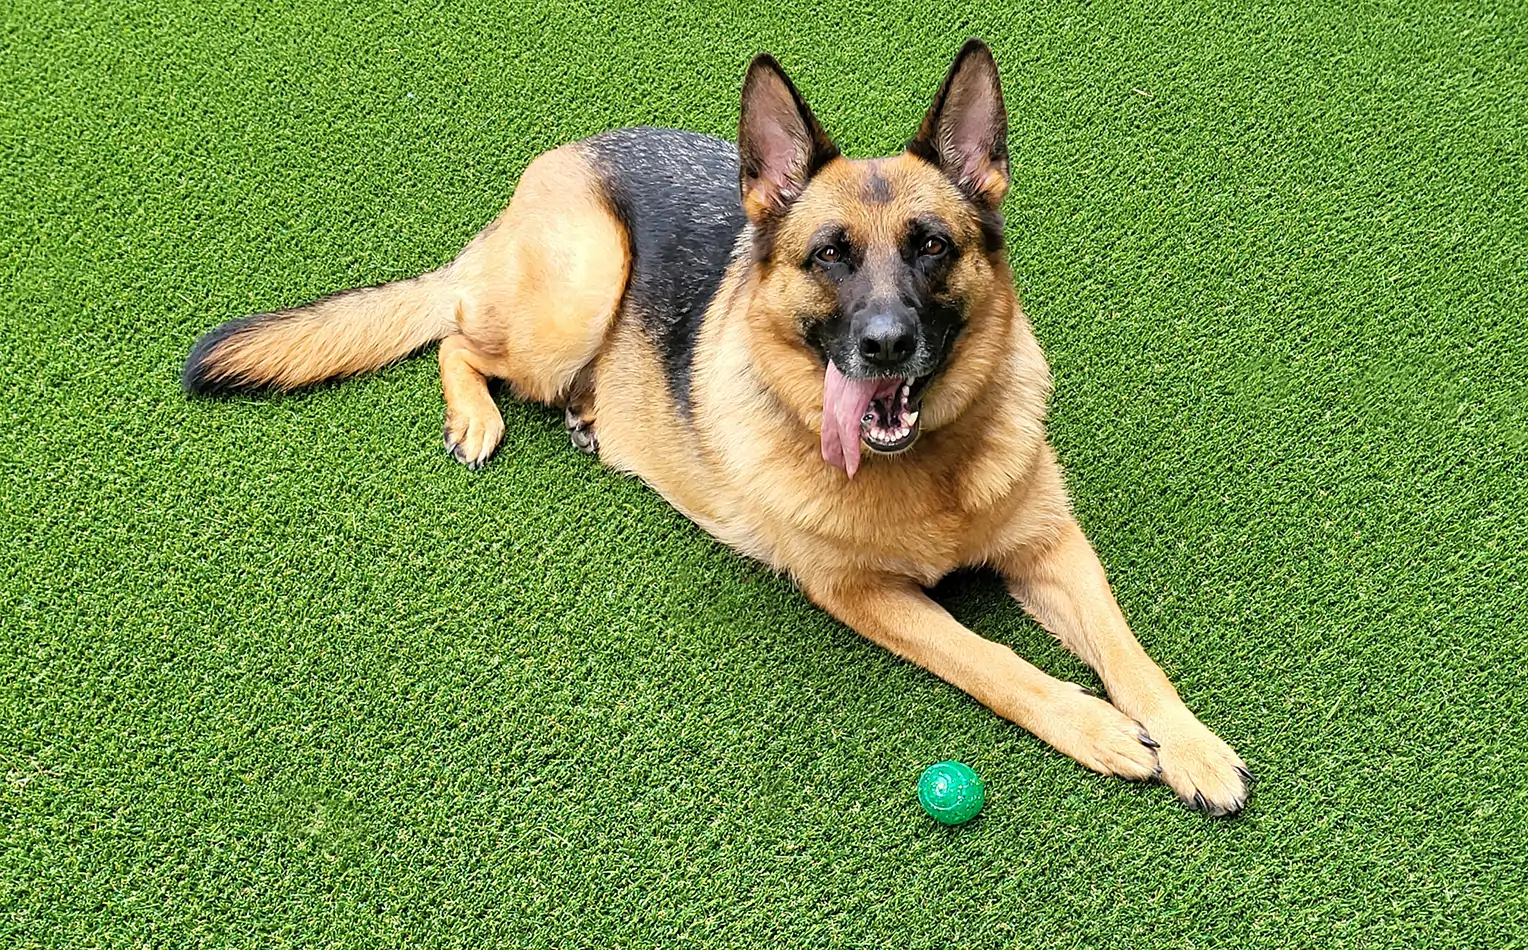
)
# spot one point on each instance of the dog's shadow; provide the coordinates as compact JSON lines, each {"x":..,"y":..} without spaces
{"x":978,"y":598}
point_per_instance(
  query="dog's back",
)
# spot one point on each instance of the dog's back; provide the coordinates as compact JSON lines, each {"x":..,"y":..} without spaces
{"x":677,"y":194}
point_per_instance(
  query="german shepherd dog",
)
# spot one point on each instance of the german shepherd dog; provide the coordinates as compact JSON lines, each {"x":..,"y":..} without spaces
{"x":820,"y":361}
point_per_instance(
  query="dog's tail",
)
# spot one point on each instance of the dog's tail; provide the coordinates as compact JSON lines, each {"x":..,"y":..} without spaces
{"x":347,"y":333}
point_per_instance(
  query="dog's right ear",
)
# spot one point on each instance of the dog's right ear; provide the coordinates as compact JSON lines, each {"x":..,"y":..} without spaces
{"x":780,"y":143}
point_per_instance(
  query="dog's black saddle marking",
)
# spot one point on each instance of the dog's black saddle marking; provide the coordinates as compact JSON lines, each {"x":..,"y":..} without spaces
{"x":677,"y":194}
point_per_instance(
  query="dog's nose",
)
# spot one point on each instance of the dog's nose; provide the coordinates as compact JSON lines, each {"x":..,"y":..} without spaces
{"x":887,"y":340}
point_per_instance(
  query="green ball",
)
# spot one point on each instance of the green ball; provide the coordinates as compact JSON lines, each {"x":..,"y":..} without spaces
{"x":951,"y":792}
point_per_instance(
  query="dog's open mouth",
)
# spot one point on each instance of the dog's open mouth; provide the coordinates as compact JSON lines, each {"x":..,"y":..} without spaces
{"x":880,"y":413}
{"x":891,"y":423}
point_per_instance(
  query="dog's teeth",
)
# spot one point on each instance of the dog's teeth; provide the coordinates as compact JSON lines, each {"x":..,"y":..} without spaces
{"x":911,"y":417}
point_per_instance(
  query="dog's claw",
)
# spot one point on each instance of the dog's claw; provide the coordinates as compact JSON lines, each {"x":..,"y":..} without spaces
{"x":1246,"y":775}
{"x":1149,"y":742}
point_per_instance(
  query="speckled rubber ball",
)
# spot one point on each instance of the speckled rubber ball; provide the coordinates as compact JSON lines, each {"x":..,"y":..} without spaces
{"x":951,"y":792}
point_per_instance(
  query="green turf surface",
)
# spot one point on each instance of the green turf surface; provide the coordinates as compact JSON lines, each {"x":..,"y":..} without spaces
{"x":281,"y":673}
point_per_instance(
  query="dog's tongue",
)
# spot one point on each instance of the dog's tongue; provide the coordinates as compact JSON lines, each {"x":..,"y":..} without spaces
{"x":844,"y":403}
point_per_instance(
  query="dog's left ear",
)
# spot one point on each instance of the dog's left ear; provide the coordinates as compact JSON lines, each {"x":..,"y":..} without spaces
{"x":965,"y":132}
{"x":781,"y":145}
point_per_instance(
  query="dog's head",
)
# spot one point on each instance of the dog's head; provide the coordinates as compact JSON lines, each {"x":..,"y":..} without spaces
{"x":883,"y":299}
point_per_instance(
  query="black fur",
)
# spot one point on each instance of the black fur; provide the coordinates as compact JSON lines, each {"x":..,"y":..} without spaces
{"x":877,"y":190}
{"x":677,"y":194}
{"x":197,"y":378}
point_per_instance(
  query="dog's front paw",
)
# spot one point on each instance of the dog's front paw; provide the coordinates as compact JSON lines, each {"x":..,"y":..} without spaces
{"x":1200,"y":767}
{"x":1099,"y":736}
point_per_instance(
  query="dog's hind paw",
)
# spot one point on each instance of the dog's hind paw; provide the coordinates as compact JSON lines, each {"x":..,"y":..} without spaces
{"x":580,"y":431}
{"x":472,"y":440}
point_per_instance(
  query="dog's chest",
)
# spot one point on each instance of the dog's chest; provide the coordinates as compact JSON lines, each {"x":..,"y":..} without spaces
{"x":898,"y":525}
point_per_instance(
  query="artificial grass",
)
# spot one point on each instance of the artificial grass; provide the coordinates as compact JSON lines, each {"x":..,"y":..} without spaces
{"x":281,"y":673}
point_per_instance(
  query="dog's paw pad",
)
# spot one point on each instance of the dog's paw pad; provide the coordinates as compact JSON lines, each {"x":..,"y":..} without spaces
{"x":580,"y":431}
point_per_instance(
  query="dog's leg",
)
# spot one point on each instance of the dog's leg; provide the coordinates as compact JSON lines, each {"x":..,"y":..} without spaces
{"x":1063,"y":585}
{"x":899,"y":616}
{"x":474,"y":425}
{"x":535,"y":296}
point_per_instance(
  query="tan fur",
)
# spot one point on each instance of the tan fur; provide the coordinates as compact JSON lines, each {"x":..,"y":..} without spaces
{"x":536,"y":293}
{"x":349,"y":333}
{"x":1063,"y":586}
{"x":536,"y":299}
{"x":983,"y":421}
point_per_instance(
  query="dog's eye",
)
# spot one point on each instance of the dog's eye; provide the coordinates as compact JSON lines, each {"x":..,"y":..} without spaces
{"x":830,"y":255}
{"x":933,"y":247}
